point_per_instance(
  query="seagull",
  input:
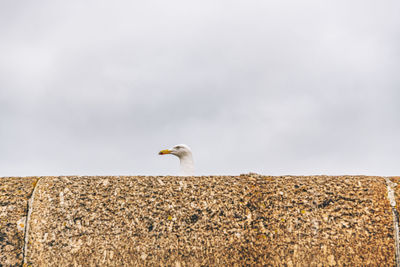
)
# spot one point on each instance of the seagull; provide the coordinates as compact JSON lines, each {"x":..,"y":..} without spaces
{"x":184,"y":153}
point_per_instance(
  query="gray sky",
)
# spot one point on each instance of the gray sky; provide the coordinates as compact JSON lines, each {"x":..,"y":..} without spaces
{"x":275,"y":87}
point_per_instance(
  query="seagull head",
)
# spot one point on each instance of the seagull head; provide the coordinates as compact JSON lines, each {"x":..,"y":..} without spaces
{"x":181,"y":151}
{"x":184,"y":153}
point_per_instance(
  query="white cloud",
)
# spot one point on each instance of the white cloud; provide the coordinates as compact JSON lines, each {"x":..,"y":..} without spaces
{"x":274,"y":87}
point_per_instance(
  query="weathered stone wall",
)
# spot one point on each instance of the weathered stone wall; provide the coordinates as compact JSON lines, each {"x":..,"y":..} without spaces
{"x":14,"y":195}
{"x":194,"y":221}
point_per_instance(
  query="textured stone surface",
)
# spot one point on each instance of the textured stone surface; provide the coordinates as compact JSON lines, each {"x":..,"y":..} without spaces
{"x":14,"y":195}
{"x":396,"y":179}
{"x":219,"y":220}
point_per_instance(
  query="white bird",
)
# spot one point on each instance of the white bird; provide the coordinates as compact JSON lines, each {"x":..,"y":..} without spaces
{"x":184,"y":153}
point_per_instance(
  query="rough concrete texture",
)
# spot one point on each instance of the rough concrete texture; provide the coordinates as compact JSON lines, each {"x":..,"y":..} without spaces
{"x":14,"y":195}
{"x":396,"y":179}
{"x":218,"y":220}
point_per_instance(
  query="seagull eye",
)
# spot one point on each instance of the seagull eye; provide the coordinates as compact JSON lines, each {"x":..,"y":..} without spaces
{"x":178,"y":147}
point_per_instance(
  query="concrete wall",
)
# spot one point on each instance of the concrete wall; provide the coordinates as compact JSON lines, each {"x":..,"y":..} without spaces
{"x":194,"y":221}
{"x":14,"y":195}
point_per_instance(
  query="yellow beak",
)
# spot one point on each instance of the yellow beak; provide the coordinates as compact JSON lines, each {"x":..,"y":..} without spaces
{"x":165,"y":151}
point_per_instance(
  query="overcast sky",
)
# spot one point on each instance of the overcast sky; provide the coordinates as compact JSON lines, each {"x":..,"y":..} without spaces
{"x":269,"y":86}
